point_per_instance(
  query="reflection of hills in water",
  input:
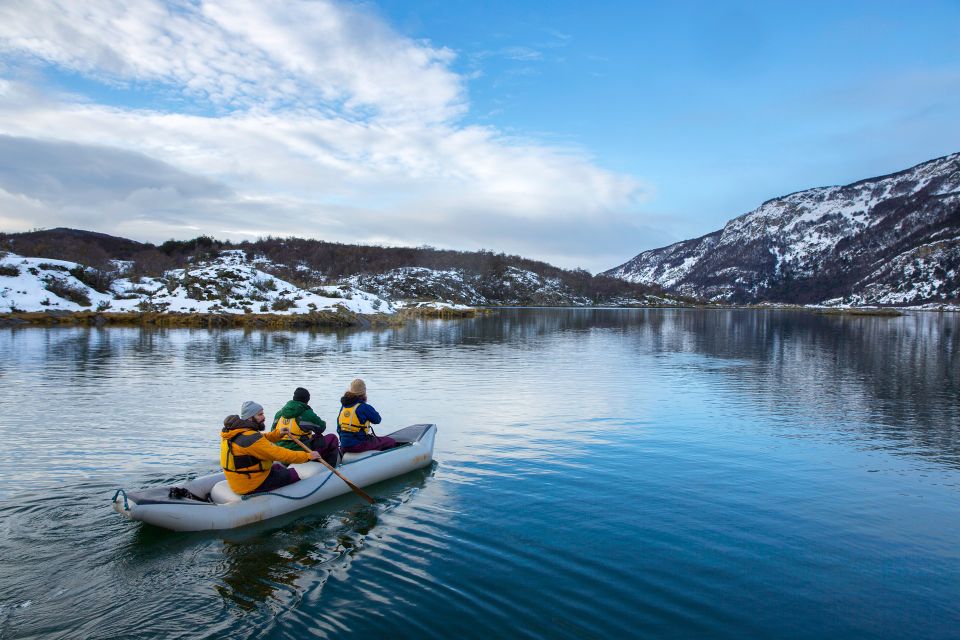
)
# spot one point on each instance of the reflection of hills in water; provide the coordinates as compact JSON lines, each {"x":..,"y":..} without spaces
{"x":892,"y":380}
{"x":84,"y":349}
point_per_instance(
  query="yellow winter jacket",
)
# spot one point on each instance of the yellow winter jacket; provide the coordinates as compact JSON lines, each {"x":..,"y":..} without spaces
{"x":247,"y":454}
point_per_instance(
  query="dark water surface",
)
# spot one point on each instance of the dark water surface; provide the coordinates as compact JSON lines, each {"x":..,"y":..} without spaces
{"x":599,"y":473}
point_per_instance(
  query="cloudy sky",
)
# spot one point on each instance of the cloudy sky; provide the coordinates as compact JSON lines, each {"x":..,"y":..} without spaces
{"x":577,"y":133}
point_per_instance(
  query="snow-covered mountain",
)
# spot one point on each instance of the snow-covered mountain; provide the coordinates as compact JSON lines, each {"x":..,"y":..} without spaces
{"x":889,"y":240}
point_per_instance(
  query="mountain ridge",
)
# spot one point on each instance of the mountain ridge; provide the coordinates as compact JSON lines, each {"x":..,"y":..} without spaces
{"x":833,"y":245}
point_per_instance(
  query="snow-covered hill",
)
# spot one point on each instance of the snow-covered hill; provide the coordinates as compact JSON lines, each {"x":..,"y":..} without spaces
{"x":888,"y":240}
{"x":233,"y":283}
{"x":514,"y":287}
{"x":228,"y":284}
{"x":405,"y":276}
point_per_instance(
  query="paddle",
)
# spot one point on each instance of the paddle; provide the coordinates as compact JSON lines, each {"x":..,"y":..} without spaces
{"x":357,"y":490}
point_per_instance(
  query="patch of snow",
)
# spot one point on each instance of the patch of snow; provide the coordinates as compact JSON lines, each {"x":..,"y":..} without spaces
{"x":227,"y":284}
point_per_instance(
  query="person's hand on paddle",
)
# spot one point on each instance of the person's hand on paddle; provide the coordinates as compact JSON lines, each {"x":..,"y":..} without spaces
{"x":314,"y":455}
{"x":284,"y":430}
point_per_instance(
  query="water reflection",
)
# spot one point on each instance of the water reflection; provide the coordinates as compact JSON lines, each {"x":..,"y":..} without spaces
{"x":256,"y":569}
{"x":890,"y":379}
{"x":268,"y":561}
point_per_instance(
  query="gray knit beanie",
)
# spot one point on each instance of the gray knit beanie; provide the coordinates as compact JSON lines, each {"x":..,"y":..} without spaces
{"x":250,"y":409}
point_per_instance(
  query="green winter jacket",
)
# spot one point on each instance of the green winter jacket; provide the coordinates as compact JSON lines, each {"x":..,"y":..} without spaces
{"x":303,"y":413}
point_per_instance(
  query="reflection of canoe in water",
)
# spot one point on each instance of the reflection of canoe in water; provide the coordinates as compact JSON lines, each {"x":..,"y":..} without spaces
{"x":210,"y":504}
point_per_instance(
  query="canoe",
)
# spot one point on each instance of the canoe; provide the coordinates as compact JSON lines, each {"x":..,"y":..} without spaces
{"x":209,"y":503}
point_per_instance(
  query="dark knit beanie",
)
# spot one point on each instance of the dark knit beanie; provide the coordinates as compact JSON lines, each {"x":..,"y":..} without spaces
{"x":301,"y":395}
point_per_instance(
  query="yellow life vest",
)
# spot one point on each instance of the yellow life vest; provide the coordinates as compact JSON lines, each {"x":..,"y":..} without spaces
{"x":294,"y":426}
{"x":348,"y":422}
{"x":243,"y":464}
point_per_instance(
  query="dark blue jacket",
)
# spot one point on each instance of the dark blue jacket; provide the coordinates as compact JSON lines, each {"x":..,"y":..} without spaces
{"x":365,"y":412}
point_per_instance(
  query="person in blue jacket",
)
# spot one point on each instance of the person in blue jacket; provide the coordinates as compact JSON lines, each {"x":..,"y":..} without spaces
{"x":355,"y":419}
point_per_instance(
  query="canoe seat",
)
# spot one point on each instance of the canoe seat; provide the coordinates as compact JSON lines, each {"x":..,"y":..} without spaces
{"x":353,"y":457}
{"x":308,"y":469}
{"x":223,"y":494}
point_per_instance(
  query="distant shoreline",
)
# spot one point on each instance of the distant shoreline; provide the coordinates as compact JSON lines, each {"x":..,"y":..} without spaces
{"x":340,"y":319}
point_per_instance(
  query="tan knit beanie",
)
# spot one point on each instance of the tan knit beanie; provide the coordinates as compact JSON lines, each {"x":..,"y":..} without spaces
{"x":358,"y":387}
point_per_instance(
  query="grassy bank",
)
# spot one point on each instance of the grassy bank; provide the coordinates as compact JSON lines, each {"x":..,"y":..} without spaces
{"x":434,"y":312}
{"x":196,"y":320}
{"x":338,"y":319}
{"x":890,"y":313}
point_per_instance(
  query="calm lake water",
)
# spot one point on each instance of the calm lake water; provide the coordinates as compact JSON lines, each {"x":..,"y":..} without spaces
{"x":599,"y":473}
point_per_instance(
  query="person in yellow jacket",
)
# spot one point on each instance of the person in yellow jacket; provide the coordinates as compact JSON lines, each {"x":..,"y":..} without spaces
{"x":247,"y":453}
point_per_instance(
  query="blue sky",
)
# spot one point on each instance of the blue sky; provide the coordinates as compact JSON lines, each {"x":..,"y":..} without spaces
{"x":780,"y":95}
{"x":576,"y":133}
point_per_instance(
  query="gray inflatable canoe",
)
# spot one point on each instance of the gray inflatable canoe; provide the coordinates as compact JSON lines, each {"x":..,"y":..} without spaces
{"x":209,"y":503}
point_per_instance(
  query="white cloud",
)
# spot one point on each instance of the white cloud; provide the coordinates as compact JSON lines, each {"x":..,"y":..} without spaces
{"x":241,"y":53}
{"x":323,"y":122}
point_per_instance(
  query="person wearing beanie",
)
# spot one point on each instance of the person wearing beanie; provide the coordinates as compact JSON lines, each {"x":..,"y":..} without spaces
{"x":251,"y":409}
{"x":355,"y":419}
{"x":306,"y":426}
{"x":247,"y":454}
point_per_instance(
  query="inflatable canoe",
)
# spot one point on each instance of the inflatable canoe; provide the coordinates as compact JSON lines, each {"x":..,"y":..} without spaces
{"x":209,"y":503}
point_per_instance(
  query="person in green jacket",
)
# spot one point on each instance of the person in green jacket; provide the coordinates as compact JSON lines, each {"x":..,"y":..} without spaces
{"x":306,"y":426}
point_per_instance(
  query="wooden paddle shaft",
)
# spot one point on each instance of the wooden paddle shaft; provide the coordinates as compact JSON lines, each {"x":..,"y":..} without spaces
{"x":360,"y":492}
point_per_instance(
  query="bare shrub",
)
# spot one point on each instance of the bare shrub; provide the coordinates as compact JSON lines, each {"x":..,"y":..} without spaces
{"x":67,"y":291}
{"x":264,"y":284}
{"x":97,"y":279}
{"x":282,"y":304}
